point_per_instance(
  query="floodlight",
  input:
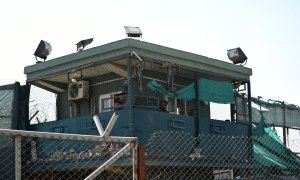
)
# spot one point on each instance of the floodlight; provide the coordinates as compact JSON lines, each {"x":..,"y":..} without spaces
{"x":236,"y":55}
{"x":133,"y":31}
{"x":43,"y":50}
{"x":81,"y":44}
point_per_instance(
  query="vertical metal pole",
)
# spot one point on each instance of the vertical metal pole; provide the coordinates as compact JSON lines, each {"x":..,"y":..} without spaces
{"x":18,"y":166}
{"x":249,"y":108}
{"x":250,"y":122}
{"x":134,"y":160}
{"x":141,"y":163}
{"x":284,"y":124}
{"x":130,"y":97}
{"x":232,"y":112}
{"x":197,"y":118}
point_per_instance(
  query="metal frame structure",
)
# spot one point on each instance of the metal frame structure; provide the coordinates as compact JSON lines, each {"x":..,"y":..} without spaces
{"x":18,"y":134}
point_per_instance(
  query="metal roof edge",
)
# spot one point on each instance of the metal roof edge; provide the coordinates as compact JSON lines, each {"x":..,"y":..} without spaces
{"x":77,"y":56}
{"x":189,"y":56}
{"x":132,"y":44}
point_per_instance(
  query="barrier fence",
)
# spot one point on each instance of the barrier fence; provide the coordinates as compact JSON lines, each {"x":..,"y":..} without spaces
{"x":41,"y":155}
{"x":168,"y":155}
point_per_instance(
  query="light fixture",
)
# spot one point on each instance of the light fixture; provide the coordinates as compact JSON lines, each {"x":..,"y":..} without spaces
{"x":236,"y":55}
{"x":42,"y":51}
{"x":132,"y":31}
{"x":81,"y":44}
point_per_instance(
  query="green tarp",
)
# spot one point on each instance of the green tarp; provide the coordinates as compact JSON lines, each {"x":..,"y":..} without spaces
{"x":209,"y":90}
{"x":215,"y":91}
{"x":269,"y":151}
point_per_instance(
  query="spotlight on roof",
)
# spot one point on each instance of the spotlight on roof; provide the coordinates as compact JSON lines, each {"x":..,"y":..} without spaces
{"x":42,"y":51}
{"x":133,"y":31}
{"x":236,"y":55}
{"x":81,"y":44}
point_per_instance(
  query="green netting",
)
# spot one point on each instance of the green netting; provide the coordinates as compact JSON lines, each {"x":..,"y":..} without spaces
{"x":209,"y":90}
{"x":276,"y":113}
{"x":269,"y":151}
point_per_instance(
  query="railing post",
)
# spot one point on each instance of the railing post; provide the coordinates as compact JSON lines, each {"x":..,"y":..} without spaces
{"x":134,"y":160}
{"x":130,"y":96}
{"x":141,"y":163}
{"x":18,"y":161}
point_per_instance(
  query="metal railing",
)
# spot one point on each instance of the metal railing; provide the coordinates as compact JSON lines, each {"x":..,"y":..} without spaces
{"x":43,"y":155}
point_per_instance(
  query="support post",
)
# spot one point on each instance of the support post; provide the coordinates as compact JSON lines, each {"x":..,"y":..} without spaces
{"x":134,"y":160}
{"x":130,"y":96}
{"x":18,"y":166}
{"x":249,"y":108}
{"x":197,"y":118}
{"x":284,"y":124}
{"x":141,"y":163}
{"x":251,"y":157}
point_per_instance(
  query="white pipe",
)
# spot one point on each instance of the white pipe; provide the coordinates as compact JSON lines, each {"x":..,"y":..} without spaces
{"x":110,"y":125}
{"x":98,"y":125}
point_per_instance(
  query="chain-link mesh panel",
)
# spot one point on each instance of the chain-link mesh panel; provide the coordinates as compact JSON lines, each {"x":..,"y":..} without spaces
{"x":47,"y":158}
{"x":6,"y":108}
{"x":242,"y":110}
{"x":7,"y":157}
{"x":178,"y":155}
{"x":70,"y":159}
{"x":42,"y":105}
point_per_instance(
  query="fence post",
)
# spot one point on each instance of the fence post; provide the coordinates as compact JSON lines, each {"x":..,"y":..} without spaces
{"x":18,"y":166}
{"x":141,"y":163}
{"x":134,"y":160}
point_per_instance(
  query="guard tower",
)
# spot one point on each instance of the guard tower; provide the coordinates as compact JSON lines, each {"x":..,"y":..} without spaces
{"x":133,"y":77}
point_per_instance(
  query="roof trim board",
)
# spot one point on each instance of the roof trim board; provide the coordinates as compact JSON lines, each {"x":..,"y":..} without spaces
{"x":123,"y":48}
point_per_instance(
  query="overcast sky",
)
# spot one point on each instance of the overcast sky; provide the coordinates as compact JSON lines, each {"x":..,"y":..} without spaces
{"x":268,"y":31}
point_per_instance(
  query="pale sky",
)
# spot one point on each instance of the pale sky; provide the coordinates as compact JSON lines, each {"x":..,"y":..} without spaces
{"x":266,"y":30}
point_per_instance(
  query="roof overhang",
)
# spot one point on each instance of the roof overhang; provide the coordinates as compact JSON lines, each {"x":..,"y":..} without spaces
{"x":122,"y":49}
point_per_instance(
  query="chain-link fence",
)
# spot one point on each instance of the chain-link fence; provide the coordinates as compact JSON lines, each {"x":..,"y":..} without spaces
{"x":177,"y":155}
{"x":34,"y":155}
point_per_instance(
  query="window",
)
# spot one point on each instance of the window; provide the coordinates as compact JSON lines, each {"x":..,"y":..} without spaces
{"x":107,"y":101}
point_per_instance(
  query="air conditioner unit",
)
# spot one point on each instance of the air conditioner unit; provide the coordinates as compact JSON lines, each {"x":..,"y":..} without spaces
{"x":78,"y":90}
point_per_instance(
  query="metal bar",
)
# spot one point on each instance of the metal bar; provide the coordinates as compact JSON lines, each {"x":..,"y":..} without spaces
{"x":104,"y":82}
{"x":134,"y":160}
{"x":98,"y":125}
{"x":130,"y":96}
{"x":251,"y":156}
{"x":284,"y":124}
{"x":249,"y":108}
{"x":18,"y":166}
{"x":64,"y":136}
{"x":110,"y":125}
{"x":141,"y":163}
{"x":123,"y":151}
{"x":158,"y":80}
{"x":232,"y":112}
{"x":197,"y":118}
